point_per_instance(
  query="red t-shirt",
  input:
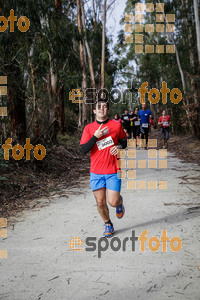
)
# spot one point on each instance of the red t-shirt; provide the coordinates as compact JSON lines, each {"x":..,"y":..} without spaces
{"x":150,"y":123}
{"x":165,"y":121}
{"x":102,"y":162}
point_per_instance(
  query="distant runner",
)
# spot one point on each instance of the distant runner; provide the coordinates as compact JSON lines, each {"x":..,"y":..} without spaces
{"x":165,"y":122}
{"x":144,"y":115}
{"x":150,"y":124}
{"x":117,"y":118}
{"x":101,"y":138}
{"x":136,"y":125}
{"x":126,"y":122}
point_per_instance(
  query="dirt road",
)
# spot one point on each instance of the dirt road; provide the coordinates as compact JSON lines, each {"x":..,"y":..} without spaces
{"x":41,"y":265}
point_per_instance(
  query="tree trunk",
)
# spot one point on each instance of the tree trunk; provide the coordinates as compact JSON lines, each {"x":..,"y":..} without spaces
{"x":197,"y":28}
{"x":83,"y":66}
{"x":61,"y":117}
{"x":33,"y":79}
{"x":95,"y":16}
{"x":103,"y":47}
{"x":16,"y":96}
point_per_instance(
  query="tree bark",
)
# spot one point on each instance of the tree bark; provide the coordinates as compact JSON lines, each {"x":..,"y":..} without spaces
{"x":35,"y":102}
{"x":196,"y":13}
{"x":83,"y":66}
{"x":103,"y":47}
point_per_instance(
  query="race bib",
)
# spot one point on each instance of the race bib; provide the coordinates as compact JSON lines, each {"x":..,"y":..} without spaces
{"x":145,"y":125}
{"x":107,"y":142}
{"x":165,"y":124}
{"x":126,"y":118}
{"x":137,"y":123}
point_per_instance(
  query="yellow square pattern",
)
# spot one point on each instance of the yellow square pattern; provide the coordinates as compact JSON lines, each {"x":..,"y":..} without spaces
{"x":160,"y":49}
{"x":3,"y":112}
{"x":149,"y":28}
{"x":162,"y":185}
{"x":138,"y":48}
{"x":152,"y":185}
{"x":142,"y":164}
{"x":160,"y":18}
{"x":139,"y":27}
{"x":128,"y":18}
{"x":163,"y":164}
{"x":131,"y":153}
{"x":3,"y":253}
{"x":170,"y":48}
{"x":131,"y":164}
{"x":121,"y":153}
{"x":170,"y":17}
{"x":3,"y":79}
{"x":163,"y":153}
{"x":139,"y":7}
{"x":152,"y":143}
{"x":139,"y":18}
{"x":121,"y":174}
{"x":128,"y":28}
{"x":149,"y":48}
{"x":170,"y":27}
{"x":121,"y":163}
{"x":152,"y":153}
{"x":160,"y":7}
{"x":131,"y":174}
{"x":160,"y":28}
{"x":128,"y":38}
{"x":152,"y":164}
{"x":142,"y":185}
{"x":3,"y":90}
{"x":131,"y":143}
{"x":139,"y":38}
{"x":3,"y":222}
{"x":142,"y":143}
{"x":3,"y":232}
{"x":149,"y":7}
{"x":131,"y":185}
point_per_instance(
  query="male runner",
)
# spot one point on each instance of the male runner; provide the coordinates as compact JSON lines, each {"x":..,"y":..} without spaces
{"x":164,"y":121}
{"x":144,"y":115}
{"x":136,"y":126}
{"x":150,"y":124}
{"x":101,"y":138}
{"x":126,"y":122}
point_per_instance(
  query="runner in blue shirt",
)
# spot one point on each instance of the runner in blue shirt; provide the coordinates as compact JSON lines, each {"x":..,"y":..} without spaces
{"x":144,"y":115}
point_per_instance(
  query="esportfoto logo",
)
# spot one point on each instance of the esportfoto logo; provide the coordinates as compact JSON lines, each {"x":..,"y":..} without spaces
{"x":116,"y":244}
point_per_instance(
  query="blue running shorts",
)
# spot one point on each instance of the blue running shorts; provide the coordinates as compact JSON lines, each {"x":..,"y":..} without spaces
{"x":109,"y":181}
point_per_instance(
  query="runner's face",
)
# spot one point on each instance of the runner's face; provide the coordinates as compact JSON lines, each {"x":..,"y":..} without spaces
{"x":101,"y":110}
{"x":144,"y":106}
{"x":163,"y":113}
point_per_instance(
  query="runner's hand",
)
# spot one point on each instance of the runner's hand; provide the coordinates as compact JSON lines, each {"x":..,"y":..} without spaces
{"x":114,"y":150}
{"x":99,"y":132}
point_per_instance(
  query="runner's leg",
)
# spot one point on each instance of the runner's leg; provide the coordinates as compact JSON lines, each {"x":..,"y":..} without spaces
{"x":102,"y":206}
{"x":146,"y":135}
{"x":114,"y":198}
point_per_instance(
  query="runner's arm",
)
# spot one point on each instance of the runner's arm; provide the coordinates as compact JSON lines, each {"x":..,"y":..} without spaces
{"x":89,"y":145}
{"x":122,"y":143}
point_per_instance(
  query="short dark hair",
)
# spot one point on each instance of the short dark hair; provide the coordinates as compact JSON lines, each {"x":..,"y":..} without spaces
{"x":101,"y":100}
